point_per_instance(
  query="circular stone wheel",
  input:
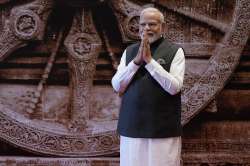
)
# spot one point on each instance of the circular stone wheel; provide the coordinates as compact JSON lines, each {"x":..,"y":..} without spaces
{"x":29,"y":135}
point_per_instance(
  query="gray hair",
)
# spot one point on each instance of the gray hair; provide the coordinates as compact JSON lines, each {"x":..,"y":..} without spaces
{"x":152,"y":9}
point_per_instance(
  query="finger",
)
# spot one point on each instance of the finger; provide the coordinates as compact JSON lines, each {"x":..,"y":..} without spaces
{"x":141,"y":46}
{"x":140,"y":50}
{"x":146,"y":42}
{"x":144,"y":34}
{"x":146,"y":37}
{"x":145,"y":49}
{"x":148,"y":50}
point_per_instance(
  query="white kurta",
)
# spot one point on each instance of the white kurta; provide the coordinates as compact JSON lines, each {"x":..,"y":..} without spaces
{"x":151,"y":151}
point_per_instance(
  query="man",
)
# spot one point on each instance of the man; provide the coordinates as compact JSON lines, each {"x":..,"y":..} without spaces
{"x":150,"y":77}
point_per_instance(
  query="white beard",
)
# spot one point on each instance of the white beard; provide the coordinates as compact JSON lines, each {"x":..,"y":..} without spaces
{"x":153,"y":38}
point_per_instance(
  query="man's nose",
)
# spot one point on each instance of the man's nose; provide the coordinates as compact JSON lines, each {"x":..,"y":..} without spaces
{"x":147,"y":27}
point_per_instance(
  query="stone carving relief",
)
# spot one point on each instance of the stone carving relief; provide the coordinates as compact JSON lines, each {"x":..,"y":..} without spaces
{"x":25,"y":23}
{"x":83,"y":45}
{"x":128,"y":13}
{"x":82,"y":121}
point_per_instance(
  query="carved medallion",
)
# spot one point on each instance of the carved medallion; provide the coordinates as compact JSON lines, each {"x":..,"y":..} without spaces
{"x":133,"y":27}
{"x":25,"y":24}
{"x":80,"y":46}
{"x":128,"y":14}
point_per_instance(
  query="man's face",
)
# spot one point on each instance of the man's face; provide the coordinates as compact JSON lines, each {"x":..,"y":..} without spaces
{"x":150,"y":23}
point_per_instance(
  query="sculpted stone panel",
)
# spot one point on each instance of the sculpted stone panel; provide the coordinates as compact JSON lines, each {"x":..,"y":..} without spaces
{"x":25,"y":23}
{"x":83,"y":46}
{"x":80,"y":119}
{"x":128,"y":15}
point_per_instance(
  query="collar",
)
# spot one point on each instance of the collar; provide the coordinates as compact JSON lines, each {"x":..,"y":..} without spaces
{"x":156,"y":42}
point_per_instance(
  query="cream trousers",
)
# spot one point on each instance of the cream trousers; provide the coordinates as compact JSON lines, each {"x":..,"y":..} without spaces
{"x":150,"y":152}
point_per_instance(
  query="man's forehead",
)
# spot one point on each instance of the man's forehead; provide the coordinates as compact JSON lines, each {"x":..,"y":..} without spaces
{"x":150,"y":15}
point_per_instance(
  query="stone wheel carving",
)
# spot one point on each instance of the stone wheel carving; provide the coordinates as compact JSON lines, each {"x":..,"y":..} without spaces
{"x":199,"y":92}
{"x":44,"y":137}
{"x":223,"y":61}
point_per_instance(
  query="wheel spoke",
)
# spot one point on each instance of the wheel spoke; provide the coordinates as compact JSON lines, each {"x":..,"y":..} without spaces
{"x":200,"y":18}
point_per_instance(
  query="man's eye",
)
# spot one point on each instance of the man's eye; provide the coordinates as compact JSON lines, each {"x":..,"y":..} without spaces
{"x":152,"y":24}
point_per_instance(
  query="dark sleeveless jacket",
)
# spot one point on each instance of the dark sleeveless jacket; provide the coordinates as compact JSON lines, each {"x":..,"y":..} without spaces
{"x":147,"y":110}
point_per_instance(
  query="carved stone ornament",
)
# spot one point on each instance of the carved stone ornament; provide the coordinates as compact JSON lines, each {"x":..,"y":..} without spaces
{"x":90,"y":129}
{"x":83,"y":49}
{"x":132,"y":24}
{"x":225,"y":58}
{"x":26,"y":22}
{"x":128,"y":14}
{"x":80,"y":47}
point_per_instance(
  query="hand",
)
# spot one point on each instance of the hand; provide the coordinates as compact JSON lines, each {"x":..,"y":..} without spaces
{"x":146,"y":49}
{"x":139,"y":57}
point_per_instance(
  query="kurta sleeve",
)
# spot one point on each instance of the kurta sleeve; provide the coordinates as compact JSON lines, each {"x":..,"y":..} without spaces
{"x":171,"y":81}
{"x":124,"y":74}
